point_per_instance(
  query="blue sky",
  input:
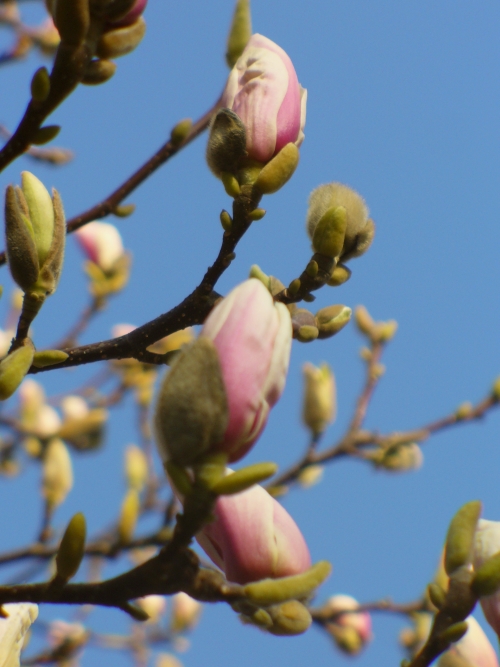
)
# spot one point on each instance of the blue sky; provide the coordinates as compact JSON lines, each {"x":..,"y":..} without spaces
{"x":404,"y":107}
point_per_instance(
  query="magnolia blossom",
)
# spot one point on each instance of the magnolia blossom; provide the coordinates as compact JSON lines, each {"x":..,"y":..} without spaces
{"x":474,"y":648}
{"x":486,"y":545}
{"x":253,"y":337}
{"x":102,"y":243}
{"x":253,"y":537}
{"x":263,"y":90}
{"x":13,"y":629}
{"x":354,"y":630}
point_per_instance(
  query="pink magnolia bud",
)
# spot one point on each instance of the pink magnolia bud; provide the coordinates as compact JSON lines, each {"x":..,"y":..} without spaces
{"x":263,"y":90}
{"x":474,"y":648}
{"x":101,"y":242}
{"x":486,"y":545}
{"x":132,"y":15}
{"x":253,"y":337}
{"x":253,"y":537}
{"x":351,"y":631}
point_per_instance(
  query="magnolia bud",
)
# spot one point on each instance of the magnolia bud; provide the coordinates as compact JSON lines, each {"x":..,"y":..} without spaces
{"x":331,"y":320}
{"x":278,"y":171}
{"x":240,"y":32}
{"x":98,"y":71}
{"x":71,"y":550}
{"x":13,"y":369}
{"x":273,"y":591}
{"x":460,"y":538}
{"x":359,"y":229}
{"x":57,"y":478}
{"x":136,"y":468}
{"x":129,"y":513}
{"x":121,"y":41}
{"x":401,"y":458}
{"x":319,"y":402}
{"x":185,"y":612}
{"x":289,"y":619}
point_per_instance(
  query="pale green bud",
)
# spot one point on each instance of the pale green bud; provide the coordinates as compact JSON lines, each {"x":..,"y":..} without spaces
{"x":129,"y":513}
{"x":57,"y":478}
{"x":181,"y":131}
{"x":359,"y":229}
{"x":331,"y":320}
{"x":72,"y":548}
{"x":40,"y":85}
{"x":230,"y":183}
{"x":240,"y":32}
{"x":460,"y":538}
{"x":243,"y":479}
{"x":289,"y":619}
{"x":256,"y":272}
{"x":339,"y":276}
{"x":99,"y":70}
{"x":487,"y":578}
{"x":329,"y":233}
{"x":45,"y":134}
{"x":400,"y":458}
{"x":364,"y":321}
{"x":120,"y":41}
{"x":41,"y":213}
{"x":13,"y":369}
{"x":257,"y":214}
{"x":436,"y":595}
{"x":136,"y":468}
{"x":46,"y":358}
{"x":273,"y":591}
{"x":319,"y":401}
{"x":278,"y":171}
{"x":306,"y":333}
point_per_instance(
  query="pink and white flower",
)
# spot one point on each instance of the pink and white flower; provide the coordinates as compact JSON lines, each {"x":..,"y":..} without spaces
{"x":253,"y":337}
{"x":102,"y":244}
{"x":253,"y":537}
{"x":263,"y":90}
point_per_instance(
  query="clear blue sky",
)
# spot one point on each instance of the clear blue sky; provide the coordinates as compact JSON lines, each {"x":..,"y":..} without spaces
{"x":404,"y":106}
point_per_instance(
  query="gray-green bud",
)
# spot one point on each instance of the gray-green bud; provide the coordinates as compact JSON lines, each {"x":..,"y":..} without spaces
{"x":240,"y":32}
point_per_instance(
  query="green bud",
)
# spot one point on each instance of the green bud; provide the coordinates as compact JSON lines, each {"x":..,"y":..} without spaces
{"x":294,"y":286}
{"x":13,"y":369}
{"x":278,"y":171}
{"x":50,"y":271}
{"x":273,"y":591}
{"x":312,"y":269}
{"x":436,"y":595}
{"x":181,"y":131}
{"x":230,"y":183}
{"x":129,"y":514}
{"x":309,"y":298}
{"x":289,"y":619}
{"x":332,"y":319}
{"x":260,"y":618}
{"x":243,"y":479}
{"x":72,"y":548}
{"x":257,"y":214}
{"x":460,"y":538}
{"x":124,"y":210}
{"x":319,"y":401}
{"x":120,"y":41}
{"x":329,"y":233}
{"x":464,"y":411}
{"x":240,"y":32}
{"x":495,"y":390}
{"x":72,"y":20}
{"x":99,"y":70}
{"x":226,"y":143}
{"x":256,"y":272}
{"x":191,"y":412}
{"x":339,"y":276}
{"x":364,"y":321}
{"x":179,"y":477}
{"x":41,"y":213}
{"x":487,"y":578}
{"x":49,"y":358}
{"x":226,"y":221}
{"x":40,"y":85}
{"x":455,"y":632}
{"x":22,"y":253}
{"x":306,"y":333}
{"x":45,"y":134}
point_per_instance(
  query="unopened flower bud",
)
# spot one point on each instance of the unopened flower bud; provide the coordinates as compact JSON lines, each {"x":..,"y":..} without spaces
{"x":98,"y":71}
{"x":154,"y":606}
{"x":122,"y":40}
{"x":310,"y":476}
{"x":240,"y":32}
{"x":486,"y":549}
{"x":460,"y":539}
{"x":331,"y":320}
{"x":278,"y":171}
{"x":339,"y":276}
{"x":298,"y":586}
{"x":136,"y":467}
{"x":13,"y":369}
{"x":129,"y":513}
{"x":185,"y":612}
{"x":289,"y":619}
{"x":350,"y":631}
{"x":35,"y":235}
{"x":359,"y":229}
{"x":226,"y":143}
{"x":401,"y":458}
{"x":72,"y":547}
{"x":364,"y":321}
{"x":319,"y":402}
{"x":57,"y":478}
